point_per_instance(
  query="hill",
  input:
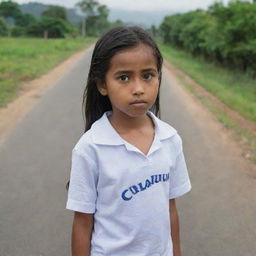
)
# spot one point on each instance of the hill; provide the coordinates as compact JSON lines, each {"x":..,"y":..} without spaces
{"x":36,"y":10}
{"x":145,"y":19}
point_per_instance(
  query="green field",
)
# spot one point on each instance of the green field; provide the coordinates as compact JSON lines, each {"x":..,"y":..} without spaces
{"x":235,"y":89}
{"x":23,"y":59}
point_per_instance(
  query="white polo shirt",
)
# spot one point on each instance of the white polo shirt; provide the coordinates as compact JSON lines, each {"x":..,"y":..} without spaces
{"x":127,"y":191}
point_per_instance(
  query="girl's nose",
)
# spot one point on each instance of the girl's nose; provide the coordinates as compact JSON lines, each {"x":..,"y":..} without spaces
{"x":137,"y":87}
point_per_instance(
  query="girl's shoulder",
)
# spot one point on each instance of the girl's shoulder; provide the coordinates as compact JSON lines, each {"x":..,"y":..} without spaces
{"x":84,"y":145}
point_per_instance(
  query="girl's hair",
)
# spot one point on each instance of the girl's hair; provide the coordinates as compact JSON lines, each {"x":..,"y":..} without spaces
{"x":116,"y":39}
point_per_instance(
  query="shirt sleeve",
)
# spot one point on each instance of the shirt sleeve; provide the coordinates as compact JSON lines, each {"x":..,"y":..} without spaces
{"x":82,"y":192}
{"x":179,"y":178}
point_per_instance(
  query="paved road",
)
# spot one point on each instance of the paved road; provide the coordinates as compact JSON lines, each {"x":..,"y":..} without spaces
{"x":218,"y":217}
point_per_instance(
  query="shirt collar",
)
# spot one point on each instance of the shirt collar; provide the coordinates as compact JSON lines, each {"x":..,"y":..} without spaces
{"x":104,"y":133}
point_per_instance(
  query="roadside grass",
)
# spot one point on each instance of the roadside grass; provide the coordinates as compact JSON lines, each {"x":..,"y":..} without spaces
{"x":235,"y":89}
{"x":23,"y":59}
{"x":219,"y":82}
{"x":248,"y":140}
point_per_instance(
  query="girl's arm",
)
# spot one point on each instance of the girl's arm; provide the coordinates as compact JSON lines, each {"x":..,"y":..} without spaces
{"x":175,"y":231}
{"x":81,"y":234}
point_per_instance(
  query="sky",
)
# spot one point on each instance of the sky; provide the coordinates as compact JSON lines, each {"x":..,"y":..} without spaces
{"x":139,"y":5}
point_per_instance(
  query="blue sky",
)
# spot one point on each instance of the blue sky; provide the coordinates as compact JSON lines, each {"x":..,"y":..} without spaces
{"x":139,"y":5}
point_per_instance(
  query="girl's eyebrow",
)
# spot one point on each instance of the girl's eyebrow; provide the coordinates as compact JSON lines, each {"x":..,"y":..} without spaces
{"x":130,"y":71}
{"x":149,"y":69}
{"x":122,"y":72}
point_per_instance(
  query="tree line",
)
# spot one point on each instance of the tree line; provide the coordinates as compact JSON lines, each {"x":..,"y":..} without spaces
{"x":53,"y":22}
{"x":223,"y":34}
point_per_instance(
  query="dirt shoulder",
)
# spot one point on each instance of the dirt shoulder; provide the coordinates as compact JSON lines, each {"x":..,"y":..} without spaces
{"x":215,"y":105}
{"x":29,"y":95}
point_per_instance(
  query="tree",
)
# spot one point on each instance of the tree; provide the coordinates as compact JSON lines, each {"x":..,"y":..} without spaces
{"x":9,"y":9}
{"x":88,"y":7}
{"x":98,"y":23}
{"x":103,"y":11}
{"x":3,"y":27}
{"x":153,"y":30}
{"x":55,"y":12}
{"x":116,"y":23}
{"x":13,"y":15}
{"x":224,"y":34}
{"x":25,"y":20}
{"x":50,"y":27}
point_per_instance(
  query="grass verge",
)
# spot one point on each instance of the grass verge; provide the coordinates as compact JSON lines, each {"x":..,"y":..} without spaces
{"x":235,"y":89}
{"x":23,"y":59}
{"x":209,"y":76}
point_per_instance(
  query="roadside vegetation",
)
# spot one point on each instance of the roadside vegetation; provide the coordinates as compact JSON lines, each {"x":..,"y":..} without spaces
{"x":235,"y":89}
{"x":226,"y":86}
{"x":221,"y":34}
{"x":23,"y":59}
{"x":29,"y":46}
{"x":217,"y":49}
{"x":53,"y":22}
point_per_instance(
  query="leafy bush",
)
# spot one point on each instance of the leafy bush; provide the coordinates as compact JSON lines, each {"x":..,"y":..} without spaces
{"x":53,"y":23}
{"x":225,"y":34}
{"x":54,"y":27}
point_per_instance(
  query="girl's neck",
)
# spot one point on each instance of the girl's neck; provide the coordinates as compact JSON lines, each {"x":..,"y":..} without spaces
{"x":125,"y":124}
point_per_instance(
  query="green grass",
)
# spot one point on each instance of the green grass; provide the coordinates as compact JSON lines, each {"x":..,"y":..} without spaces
{"x":23,"y":59}
{"x":235,"y":89}
{"x":235,"y":127}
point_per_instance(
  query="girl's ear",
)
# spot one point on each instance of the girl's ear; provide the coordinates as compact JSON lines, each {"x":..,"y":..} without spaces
{"x":101,"y":86}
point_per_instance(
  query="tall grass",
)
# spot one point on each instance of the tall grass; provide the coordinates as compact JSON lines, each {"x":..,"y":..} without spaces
{"x":22,"y":59}
{"x":235,"y":89}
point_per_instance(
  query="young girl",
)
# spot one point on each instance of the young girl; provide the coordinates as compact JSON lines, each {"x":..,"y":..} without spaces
{"x":128,"y":167}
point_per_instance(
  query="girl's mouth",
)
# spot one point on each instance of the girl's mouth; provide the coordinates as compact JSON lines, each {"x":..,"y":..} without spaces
{"x":139,"y":103}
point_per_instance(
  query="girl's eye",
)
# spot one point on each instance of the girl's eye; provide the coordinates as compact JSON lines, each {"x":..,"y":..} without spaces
{"x":124,"y":78}
{"x":148,"y":76}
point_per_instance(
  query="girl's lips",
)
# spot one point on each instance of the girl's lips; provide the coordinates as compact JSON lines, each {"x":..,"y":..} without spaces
{"x":139,"y":103}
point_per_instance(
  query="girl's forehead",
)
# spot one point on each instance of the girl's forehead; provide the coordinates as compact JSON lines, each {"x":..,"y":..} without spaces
{"x":140,"y":55}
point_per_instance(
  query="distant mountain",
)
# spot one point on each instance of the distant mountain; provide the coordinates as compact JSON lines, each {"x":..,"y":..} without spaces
{"x":36,"y":10}
{"x":145,"y":19}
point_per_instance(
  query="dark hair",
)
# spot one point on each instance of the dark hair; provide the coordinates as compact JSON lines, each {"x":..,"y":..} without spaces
{"x":113,"y":41}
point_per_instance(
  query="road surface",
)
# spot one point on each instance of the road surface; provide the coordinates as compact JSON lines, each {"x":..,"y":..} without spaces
{"x":218,"y":217}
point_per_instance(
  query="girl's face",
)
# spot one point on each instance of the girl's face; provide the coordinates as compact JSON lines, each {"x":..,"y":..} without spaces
{"x":132,"y":81}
